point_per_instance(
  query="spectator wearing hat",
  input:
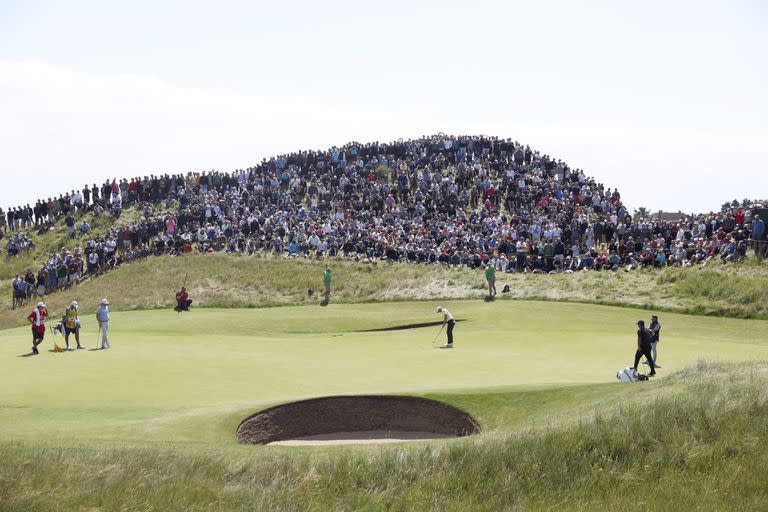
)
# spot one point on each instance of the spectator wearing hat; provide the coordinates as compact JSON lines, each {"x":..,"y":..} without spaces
{"x":71,"y":325}
{"x":37,"y":318}
{"x":102,"y":317}
{"x":490,"y":276}
{"x":644,"y":346}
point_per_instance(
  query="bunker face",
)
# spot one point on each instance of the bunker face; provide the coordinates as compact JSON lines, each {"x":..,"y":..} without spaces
{"x":356,"y":419}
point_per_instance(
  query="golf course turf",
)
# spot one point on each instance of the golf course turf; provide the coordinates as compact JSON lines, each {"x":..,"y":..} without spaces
{"x":194,"y":376}
{"x":173,"y":388}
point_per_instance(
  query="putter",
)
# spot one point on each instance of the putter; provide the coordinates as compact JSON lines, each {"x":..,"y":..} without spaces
{"x":438,"y":334}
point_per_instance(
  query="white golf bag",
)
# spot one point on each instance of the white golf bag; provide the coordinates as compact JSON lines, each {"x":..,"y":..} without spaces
{"x":629,"y":375}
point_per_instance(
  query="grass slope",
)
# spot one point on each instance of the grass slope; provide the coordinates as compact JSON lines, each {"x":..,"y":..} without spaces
{"x":697,"y":440}
{"x":220,"y":280}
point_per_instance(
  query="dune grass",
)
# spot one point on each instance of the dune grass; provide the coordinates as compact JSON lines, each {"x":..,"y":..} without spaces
{"x":697,"y":440}
{"x":55,"y":238}
{"x":220,"y":280}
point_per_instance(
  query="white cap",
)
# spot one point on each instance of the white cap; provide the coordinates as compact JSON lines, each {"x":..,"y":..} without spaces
{"x":439,"y":309}
{"x":41,"y":304}
{"x":104,"y":302}
{"x":75,"y":304}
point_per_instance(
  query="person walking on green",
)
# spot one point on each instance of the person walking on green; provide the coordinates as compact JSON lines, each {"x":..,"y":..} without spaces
{"x":490,"y":276}
{"x":327,"y":282}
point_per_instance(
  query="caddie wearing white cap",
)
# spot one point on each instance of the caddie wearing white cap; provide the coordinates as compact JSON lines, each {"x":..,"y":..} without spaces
{"x":71,"y":325}
{"x":37,"y":318}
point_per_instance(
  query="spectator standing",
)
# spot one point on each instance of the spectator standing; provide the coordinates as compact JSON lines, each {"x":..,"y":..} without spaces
{"x":29,"y":279}
{"x":69,"y":220}
{"x":327,"y":282}
{"x":102,"y":317}
{"x":490,"y":276}
{"x":758,"y":232}
{"x":19,"y":291}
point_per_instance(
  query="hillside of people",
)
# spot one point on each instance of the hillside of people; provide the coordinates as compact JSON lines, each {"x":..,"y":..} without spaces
{"x":467,"y":201}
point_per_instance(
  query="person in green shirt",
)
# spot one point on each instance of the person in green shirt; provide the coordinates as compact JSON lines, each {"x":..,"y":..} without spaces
{"x":327,"y":282}
{"x":490,"y":276}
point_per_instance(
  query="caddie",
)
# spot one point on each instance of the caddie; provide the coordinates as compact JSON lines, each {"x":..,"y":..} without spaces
{"x":72,"y":325}
{"x":37,"y":318}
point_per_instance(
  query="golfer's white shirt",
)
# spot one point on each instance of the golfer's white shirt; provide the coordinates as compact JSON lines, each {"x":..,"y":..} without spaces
{"x":448,"y":316}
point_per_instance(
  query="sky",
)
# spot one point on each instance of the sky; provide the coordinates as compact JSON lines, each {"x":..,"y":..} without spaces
{"x":665,"y":100}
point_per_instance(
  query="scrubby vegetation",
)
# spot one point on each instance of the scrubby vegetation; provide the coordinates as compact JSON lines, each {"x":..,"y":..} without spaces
{"x":221,"y":280}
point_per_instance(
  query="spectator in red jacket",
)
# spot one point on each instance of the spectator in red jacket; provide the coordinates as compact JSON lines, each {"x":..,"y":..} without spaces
{"x":182,"y":300}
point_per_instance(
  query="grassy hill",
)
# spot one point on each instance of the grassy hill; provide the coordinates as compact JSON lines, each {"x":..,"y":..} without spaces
{"x":149,"y":424}
{"x":220,"y":280}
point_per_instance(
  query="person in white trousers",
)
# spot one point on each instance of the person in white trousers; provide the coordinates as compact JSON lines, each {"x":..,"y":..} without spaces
{"x":102,"y":317}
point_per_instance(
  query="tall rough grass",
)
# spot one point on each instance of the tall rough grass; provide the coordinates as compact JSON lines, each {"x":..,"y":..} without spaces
{"x":220,"y":280}
{"x":697,"y":440}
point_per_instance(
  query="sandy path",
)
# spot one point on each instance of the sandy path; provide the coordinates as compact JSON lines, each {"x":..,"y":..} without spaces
{"x":362,"y":437}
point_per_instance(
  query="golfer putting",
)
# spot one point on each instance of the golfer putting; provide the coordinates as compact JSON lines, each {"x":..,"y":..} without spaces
{"x":450,"y":322}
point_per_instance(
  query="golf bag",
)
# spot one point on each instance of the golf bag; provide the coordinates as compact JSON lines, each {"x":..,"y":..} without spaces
{"x":630,"y":375}
{"x":58,"y":326}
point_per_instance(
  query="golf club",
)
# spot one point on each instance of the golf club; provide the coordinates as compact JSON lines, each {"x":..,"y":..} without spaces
{"x":438,"y":334}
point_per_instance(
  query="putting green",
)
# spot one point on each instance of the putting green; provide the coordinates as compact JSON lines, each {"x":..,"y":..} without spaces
{"x":191,"y":377}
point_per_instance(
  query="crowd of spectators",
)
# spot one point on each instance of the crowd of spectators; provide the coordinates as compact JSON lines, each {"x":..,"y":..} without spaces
{"x":469,"y":200}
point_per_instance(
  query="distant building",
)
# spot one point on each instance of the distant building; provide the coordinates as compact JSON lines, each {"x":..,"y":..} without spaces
{"x":668,"y":216}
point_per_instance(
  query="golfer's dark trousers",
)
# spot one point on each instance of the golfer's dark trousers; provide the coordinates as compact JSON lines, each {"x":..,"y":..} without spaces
{"x":645,"y":350}
{"x":451,"y":323}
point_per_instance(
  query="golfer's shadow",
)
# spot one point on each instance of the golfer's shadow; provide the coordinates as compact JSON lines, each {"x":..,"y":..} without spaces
{"x":30,"y":354}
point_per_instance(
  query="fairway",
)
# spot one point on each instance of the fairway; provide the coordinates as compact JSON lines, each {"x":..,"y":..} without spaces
{"x":192,"y":377}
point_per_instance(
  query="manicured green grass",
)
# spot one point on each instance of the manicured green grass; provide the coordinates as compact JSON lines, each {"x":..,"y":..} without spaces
{"x":149,"y":424}
{"x":193,"y":376}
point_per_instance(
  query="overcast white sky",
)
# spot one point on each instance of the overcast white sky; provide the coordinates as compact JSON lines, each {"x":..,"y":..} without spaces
{"x":664,"y":100}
